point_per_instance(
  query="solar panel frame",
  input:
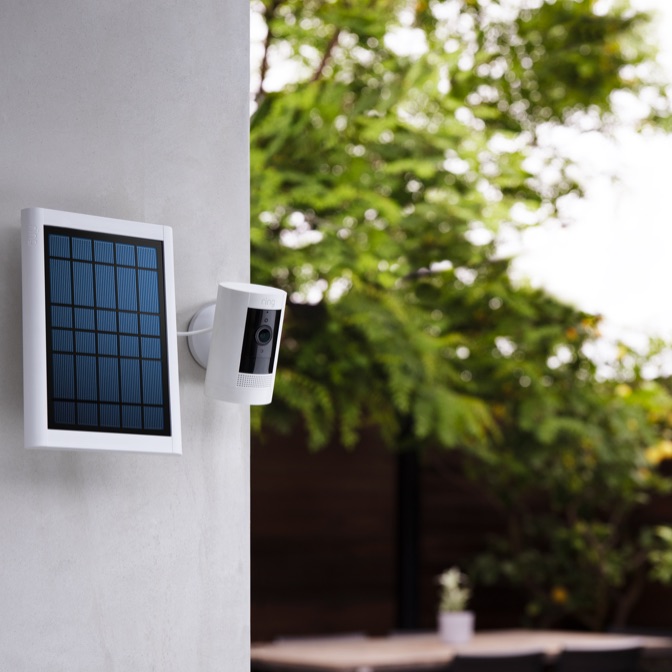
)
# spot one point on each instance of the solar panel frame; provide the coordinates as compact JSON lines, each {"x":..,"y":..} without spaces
{"x":88,"y":284}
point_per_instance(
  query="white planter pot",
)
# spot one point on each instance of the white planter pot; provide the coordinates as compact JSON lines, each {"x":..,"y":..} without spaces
{"x":456,"y":627}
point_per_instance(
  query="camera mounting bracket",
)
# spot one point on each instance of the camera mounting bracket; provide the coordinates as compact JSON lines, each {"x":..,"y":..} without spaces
{"x":199,"y":335}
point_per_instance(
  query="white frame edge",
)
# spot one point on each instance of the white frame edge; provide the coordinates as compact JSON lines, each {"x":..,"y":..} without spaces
{"x":36,"y":429}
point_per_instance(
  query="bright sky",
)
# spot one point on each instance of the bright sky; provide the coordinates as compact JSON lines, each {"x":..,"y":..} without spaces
{"x":616,"y":259}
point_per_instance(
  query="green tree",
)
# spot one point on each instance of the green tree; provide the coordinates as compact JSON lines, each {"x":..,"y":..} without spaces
{"x":576,"y":463}
{"x":380,"y":183}
{"x":412,"y":138}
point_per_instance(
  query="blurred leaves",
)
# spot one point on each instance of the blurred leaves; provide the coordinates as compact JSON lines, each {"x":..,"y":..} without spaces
{"x":405,"y":145}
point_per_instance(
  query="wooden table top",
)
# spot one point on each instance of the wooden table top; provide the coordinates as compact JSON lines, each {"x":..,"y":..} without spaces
{"x":401,"y":652}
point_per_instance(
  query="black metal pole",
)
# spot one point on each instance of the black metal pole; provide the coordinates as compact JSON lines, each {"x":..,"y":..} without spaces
{"x":408,"y":539}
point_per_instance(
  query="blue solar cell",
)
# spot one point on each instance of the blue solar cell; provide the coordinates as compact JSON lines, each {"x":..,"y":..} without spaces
{"x":85,"y":319}
{"x":108,"y":369}
{"x":151,"y":348}
{"x":59,"y":246}
{"x":107,"y":320}
{"x":148,"y":285}
{"x":125,"y":255}
{"x":128,"y":346}
{"x":60,"y":280}
{"x":109,"y":415}
{"x":131,"y":417}
{"x":130,"y":380}
{"x":105,"y":287}
{"x":152,"y":386}
{"x":85,"y":342}
{"x":61,"y":340}
{"x":81,"y":249}
{"x":87,"y":414}
{"x":127,"y":289}
{"x":64,"y":412}
{"x":128,"y":323}
{"x":150,"y":325}
{"x":61,"y":316}
{"x":153,"y":417}
{"x":87,"y":385}
{"x":82,"y":278}
{"x":107,"y":344}
{"x":103,"y":251}
{"x":64,"y":376}
{"x":146,"y":257}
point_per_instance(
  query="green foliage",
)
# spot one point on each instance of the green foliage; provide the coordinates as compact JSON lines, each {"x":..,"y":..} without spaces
{"x":568,"y":486}
{"x":381,"y":185}
{"x":659,"y":546}
{"x":374,"y":174}
{"x":579,"y":456}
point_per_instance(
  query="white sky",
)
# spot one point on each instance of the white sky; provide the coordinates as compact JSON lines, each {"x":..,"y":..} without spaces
{"x":616,"y":259}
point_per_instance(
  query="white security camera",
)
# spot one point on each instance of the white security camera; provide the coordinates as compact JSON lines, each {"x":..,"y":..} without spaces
{"x":237,"y":341}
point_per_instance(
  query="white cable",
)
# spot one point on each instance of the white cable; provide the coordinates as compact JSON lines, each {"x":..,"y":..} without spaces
{"x":194,"y":333}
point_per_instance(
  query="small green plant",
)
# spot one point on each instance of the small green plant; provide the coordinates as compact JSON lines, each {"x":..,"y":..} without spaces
{"x":455,"y":592}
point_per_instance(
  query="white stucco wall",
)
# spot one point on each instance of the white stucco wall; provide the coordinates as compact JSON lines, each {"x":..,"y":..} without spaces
{"x":135,"y":110}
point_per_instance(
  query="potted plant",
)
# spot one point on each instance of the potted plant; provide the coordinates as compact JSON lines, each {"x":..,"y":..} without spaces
{"x":456,"y":624}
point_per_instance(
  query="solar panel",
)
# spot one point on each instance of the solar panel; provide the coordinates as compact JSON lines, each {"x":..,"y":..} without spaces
{"x":106,"y":335}
{"x":109,"y":349}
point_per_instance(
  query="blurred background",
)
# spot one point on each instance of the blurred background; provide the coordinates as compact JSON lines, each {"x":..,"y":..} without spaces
{"x":467,"y":203}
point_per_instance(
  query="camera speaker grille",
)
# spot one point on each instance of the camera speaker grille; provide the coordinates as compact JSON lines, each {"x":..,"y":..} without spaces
{"x":258,"y":381}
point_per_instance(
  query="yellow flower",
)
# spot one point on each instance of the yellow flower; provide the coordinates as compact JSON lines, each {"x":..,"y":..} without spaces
{"x":660,"y":451}
{"x":568,"y":460}
{"x":644,"y":473}
{"x":559,"y":595}
{"x":623,"y":390}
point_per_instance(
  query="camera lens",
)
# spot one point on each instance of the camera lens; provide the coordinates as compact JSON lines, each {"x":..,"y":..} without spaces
{"x":263,"y":335}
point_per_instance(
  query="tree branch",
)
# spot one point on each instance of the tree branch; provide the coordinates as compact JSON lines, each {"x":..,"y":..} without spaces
{"x":268,"y":16}
{"x":634,"y":591}
{"x":327,"y":55}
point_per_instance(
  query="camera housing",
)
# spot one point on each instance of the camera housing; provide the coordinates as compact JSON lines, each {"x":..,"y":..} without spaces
{"x":244,"y":344}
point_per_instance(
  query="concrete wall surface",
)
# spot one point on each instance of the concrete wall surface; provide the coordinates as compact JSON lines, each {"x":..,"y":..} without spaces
{"x":115,"y":562}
